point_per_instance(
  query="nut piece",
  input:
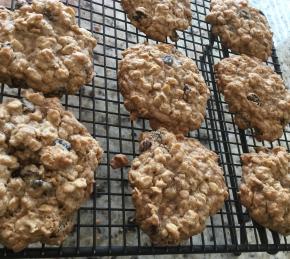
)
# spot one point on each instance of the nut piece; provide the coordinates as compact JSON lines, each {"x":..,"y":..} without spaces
{"x":119,"y":161}
{"x":159,"y":19}
{"x":265,"y":188}
{"x":55,"y":57}
{"x":256,"y":94}
{"x":163,"y":85}
{"x":241,"y":28}
{"x":177,"y":184}
{"x":47,"y":164}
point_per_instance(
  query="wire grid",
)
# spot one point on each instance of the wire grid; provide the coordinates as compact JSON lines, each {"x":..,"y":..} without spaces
{"x":105,"y":224}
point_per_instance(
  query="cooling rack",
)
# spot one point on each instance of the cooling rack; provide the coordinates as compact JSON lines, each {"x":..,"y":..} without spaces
{"x":105,"y":224}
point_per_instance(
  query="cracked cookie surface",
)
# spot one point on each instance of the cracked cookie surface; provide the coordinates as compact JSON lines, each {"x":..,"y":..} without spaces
{"x":159,"y":19}
{"x":256,"y":94}
{"x":43,"y":48}
{"x":47,"y":163}
{"x":265,"y":188}
{"x":241,"y":28}
{"x":177,"y":184}
{"x":163,"y":85}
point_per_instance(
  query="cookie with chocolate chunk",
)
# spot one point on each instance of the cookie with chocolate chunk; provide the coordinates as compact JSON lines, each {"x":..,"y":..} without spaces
{"x":241,"y":28}
{"x":47,"y":163}
{"x":163,"y":85}
{"x":159,"y":19}
{"x":255,"y":94}
{"x":265,"y":188}
{"x":42,"y":47}
{"x":177,"y":184}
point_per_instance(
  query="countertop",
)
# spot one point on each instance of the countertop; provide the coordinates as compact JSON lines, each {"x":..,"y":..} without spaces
{"x":278,"y":14}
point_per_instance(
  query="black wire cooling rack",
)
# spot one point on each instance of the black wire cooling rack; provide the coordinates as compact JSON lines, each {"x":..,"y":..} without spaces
{"x":105,"y":224}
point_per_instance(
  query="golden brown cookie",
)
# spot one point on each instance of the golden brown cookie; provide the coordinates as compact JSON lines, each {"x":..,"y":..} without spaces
{"x":42,"y":47}
{"x":163,"y":85}
{"x":265,"y":188}
{"x":177,"y":184}
{"x":47,"y":163}
{"x":241,"y":27}
{"x":255,"y":94}
{"x":159,"y":19}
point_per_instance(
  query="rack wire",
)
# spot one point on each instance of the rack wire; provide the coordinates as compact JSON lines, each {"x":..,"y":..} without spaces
{"x":105,"y":224}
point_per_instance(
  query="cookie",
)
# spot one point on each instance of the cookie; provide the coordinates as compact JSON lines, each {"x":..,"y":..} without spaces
{"x":47,"y":162}
{"x":159,"y":19}
{"x":163,"y":85}
{"x":256,"y":94}
{"x":241,"y":28}
{"x":177,"y":184}
{"x":265,"y":188}
{"x":42,"y":47}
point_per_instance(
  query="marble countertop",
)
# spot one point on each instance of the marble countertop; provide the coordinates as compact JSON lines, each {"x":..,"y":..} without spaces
{"x":278,"y":14}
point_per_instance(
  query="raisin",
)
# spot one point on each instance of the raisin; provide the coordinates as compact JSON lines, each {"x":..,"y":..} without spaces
{"x":65,"y":144}
{"x":16,"y":174}
{"x":145,"y":145}
{"x":49,"y":15}
{"x":186,"y":91}
{"x":168,"y":60}
{"x":139,"y":15}
{"x":254,"y":98}
{"x":27,"y":106}
{"x":174,"y":36}
{"x":261,"y":13}
{"x":36,"y":183}
{"x":245,"y":14}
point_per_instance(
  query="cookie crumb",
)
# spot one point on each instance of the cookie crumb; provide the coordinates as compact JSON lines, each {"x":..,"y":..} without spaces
{"x":119,"y":161}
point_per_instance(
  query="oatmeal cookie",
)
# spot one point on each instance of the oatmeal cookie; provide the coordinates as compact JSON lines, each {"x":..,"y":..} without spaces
{"x":47,"y":163}
{"x":42,"y":47}
{"x":163,"y":85}
{"x":177,"y":183}
{"x":159,"y":19}
{"x":241,"y":28}
{"x":265,"y":188}
{"x":256,"y":94}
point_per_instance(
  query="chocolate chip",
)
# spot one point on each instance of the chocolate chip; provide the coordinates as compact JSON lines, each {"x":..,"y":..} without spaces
{"x":254,"y":98}
{"x":139,"y":15}
{"x":168,"y":60}
{"x":65,"y":144}
{"x":145,"y":145}
{"x":245,"y":14}
{"x":27,"y":105}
